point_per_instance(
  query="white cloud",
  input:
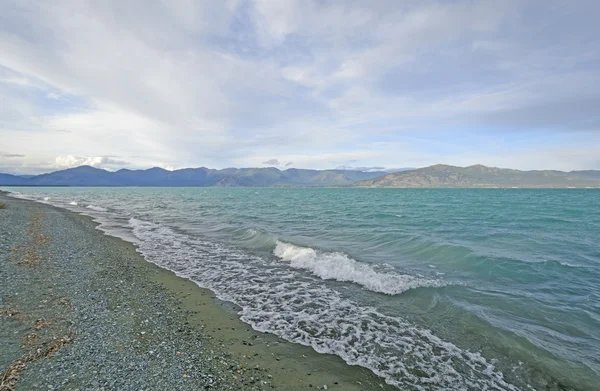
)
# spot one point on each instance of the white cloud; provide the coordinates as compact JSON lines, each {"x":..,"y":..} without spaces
{"x":53,"y":95}
{"x":219,"y":83}
{"x":69,"y":161}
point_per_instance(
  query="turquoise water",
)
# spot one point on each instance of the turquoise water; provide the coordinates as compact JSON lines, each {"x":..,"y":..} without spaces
{"x":429,"y":288}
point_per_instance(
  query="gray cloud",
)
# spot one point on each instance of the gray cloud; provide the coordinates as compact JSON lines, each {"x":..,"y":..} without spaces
{"x":11,"y":155}
{"x":566,"y":113}
{"x":272,"y":162}
{"x":329,"y":78}
{"x":289,"y":164}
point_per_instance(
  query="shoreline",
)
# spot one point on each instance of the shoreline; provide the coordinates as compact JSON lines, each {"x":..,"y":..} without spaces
{"x":201,"y":316}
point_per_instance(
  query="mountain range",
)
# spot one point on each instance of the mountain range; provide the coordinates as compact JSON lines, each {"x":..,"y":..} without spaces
{"x":439,"y":175}
{"x":271,"y":176}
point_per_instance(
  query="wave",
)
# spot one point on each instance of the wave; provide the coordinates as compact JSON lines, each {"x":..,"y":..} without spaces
{"x":563,"y":263}
{"x":96,"y":208}
{"x":46,"y":198}
{"x":256,"y":239}
{"x":301,"y":309}
{"x":74,"y":203}
{"x":340,"y":267}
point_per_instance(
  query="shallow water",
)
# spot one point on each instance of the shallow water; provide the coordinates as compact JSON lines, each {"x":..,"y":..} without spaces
{"x":429,"y":288}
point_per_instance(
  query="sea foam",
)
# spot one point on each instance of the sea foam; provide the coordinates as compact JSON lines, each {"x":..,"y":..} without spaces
{"x":339,"y":266}
{"x":96,"y":208}
{"x":73,"y":203}
{"x":303,"y":309}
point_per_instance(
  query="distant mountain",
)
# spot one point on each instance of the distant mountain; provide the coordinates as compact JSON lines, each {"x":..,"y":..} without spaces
{"x":7,"y":179}
{"x":80,"y":176}
{"x":434,"y":176}
{"x":90,"y":176}
{"x":442,"y":175}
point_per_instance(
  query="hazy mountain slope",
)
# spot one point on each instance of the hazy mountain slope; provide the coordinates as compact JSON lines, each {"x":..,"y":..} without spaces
{"x":481,"y":176}
{"x":11,"y":180}
{"x":590,"y":174}
{"x":435,"y":176}
{"x":79,"y":176}
{"x":270,"y":176}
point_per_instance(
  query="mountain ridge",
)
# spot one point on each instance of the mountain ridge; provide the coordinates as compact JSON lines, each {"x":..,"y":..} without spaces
{"x":193,"y":177}
{"x":480,"y":176}
{"x":438,"y":175}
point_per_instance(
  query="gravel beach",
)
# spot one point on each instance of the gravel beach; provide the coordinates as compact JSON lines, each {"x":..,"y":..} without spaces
{"x":83,"y":310}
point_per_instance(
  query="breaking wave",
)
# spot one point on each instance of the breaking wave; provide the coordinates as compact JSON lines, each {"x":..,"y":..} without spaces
{"x":96,"y":208}
{"x":301,"y":309}
{"x":338,"y":266}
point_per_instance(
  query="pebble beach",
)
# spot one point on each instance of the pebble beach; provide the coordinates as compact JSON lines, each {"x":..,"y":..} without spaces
{"x":80,"y":310}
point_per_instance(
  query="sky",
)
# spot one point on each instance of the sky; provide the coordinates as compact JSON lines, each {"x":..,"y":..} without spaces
{"x":299,"y":83}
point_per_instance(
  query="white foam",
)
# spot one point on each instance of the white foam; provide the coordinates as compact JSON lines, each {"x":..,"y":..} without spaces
{"x":301,"y":309}
{"x":569,"y":264}
{"x":46,"y":198}
{"x":73,"y":203}
{"x":562,"y":263}
{"x":96,"y":208}
{"x":340,"y":267}
{"x":19,"y":195}
{"x":24,"y":196}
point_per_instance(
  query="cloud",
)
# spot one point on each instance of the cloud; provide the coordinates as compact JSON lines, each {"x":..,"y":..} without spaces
{"x":220,"y":83}
{"x":272,"y":162}
{"x":366,"y":169}
{"x":70,"y":161}
{"x":11,"y":155}
{"x":53,"y":95}
{"x":324,"y":160}
{"x":289,"y":164}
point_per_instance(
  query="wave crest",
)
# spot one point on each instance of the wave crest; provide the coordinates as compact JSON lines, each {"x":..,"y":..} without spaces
{"x":340,"y":267}
{"x":96,"y":208}
{"x":303,"y":310}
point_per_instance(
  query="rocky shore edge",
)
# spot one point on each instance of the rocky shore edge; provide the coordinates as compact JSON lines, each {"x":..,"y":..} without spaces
{"x":80,"y":310}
